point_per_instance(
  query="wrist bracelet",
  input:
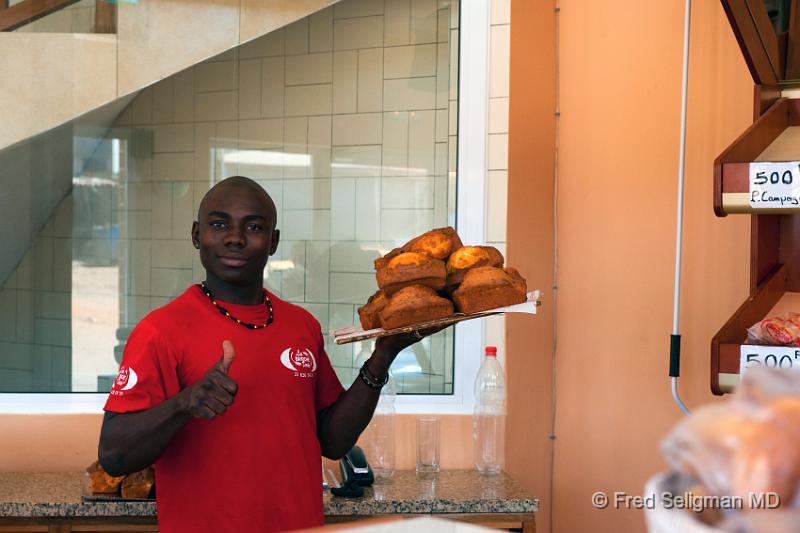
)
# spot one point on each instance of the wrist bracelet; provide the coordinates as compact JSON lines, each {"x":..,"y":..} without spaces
{"x":371,"y":381}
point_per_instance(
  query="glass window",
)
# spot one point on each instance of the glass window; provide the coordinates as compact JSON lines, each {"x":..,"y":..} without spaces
{"x":347,"y":118}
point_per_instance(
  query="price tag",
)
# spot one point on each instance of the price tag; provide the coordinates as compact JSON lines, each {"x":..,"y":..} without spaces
{"x":787,"y":357}
{"x":775,"y":185}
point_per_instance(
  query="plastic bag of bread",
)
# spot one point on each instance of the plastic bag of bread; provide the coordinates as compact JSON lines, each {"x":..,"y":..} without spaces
{"x":763,"y":521}
{"x":782,"y":330}
{"x":744,"y":446}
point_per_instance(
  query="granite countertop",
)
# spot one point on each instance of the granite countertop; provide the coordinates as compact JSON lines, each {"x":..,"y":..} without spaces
{"x":33,"y":495}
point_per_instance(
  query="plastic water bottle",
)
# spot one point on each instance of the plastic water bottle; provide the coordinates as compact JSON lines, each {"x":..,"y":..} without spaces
{"x":379,"y":438}
{"x":489,"y":420}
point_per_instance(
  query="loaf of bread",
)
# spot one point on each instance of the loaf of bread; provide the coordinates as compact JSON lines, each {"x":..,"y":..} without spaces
{"x":101,"y":482}
{"x":413,"y":304}
{"x":488,"y":288}
{"x":368,"y":313}
{"x":469,"y":257}
{"x":411,"y":268}
{"x":438,"y":244}
{"x":138,"y":484}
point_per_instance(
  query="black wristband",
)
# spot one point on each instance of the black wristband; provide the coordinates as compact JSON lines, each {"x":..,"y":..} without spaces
{"x":371,"y":381}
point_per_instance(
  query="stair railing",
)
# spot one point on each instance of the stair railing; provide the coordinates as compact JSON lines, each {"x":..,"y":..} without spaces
{"x":27,"y":11}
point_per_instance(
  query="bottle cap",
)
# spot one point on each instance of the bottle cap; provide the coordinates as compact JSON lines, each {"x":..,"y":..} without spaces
{"x":491,"y":351}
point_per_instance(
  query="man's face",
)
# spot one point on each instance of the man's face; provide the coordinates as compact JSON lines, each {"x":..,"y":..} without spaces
{"x":235,"y":234}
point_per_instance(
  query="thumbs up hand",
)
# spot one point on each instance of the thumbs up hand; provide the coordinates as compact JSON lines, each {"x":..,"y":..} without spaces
{"x":212,"y":395}
{"x":228,"y":355}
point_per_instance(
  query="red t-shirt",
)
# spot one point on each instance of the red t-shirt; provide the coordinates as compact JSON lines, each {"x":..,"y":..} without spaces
{"x":256,"y":467}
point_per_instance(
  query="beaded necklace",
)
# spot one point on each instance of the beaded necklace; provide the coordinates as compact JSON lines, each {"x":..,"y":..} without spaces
{"x":225,"y":312}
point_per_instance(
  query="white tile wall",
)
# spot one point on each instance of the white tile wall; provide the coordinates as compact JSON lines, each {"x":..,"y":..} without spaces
{"x":497,"y":165}
{"x":409,"y":94}
{"x":307,"y":69}
{"x":321,"y":31}
{"x":304,"y":100}
{"x":297,"y":37}
{"x":397,"y":26}
{"x":215,"y":76}
{"x":353,"y":33}
{"x":423,"y":21}
{"x":410,"y":61}
{"x":370,"y":74}
{"x":250,"y":88}
{"x":357,"y":129}
{"x":345,"y":81}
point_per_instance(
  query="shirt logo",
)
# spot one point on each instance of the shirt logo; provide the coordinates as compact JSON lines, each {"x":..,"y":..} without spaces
{"x":300,"y":361}
{"x":126,"y":379}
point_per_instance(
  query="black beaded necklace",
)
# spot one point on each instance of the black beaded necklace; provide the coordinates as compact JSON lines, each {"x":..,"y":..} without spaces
{"x":225,"y":312}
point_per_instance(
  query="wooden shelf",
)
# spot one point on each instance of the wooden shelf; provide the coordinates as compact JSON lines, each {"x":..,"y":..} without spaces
{"x":772,"y":296}
{"x":774,"y":137}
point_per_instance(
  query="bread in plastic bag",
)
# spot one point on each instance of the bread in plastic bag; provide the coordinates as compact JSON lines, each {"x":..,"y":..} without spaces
{"x":781,"y":330}
{"x":747,"y":445}
{"x":763,"y":521}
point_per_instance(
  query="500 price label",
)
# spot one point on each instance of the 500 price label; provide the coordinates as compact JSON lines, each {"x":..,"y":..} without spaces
{"x":786,"y":357}
{"x":775,"y":185}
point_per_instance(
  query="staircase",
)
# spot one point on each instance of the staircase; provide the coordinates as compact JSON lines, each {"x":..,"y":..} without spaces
{"x":48,"y":79}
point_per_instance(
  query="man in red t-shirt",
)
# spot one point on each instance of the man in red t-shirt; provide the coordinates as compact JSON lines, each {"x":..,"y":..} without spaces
{"x":228,"y":390}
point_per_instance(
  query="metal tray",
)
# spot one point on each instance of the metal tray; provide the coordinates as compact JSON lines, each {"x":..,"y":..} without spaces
{"x":356,"y":333}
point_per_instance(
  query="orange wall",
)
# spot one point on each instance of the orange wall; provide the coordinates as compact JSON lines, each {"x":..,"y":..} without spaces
{"x":529,"y":342}
{"x":48,"y":443}
{"x":64,"y":443}
{"x":620,"y":74}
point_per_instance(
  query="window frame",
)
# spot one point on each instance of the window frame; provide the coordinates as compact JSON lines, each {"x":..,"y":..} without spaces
{"x":473,"y":95}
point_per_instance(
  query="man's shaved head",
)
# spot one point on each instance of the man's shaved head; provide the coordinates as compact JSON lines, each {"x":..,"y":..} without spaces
{"x":244,"y":183}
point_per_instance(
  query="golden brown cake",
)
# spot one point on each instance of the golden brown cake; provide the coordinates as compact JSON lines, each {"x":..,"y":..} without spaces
{"x":138,"y":484}
{"x":101,"y":481}
{"x":414,"y":304}
{"x":411,"y":268}
{"x":488,"y":288}
{"x":438,"y":243}
{"x":368,"y":313}
{"x":468,"y":257}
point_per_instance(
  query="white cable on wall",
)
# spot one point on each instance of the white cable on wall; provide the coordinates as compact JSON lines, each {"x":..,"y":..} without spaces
{"x":675,"y":338}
